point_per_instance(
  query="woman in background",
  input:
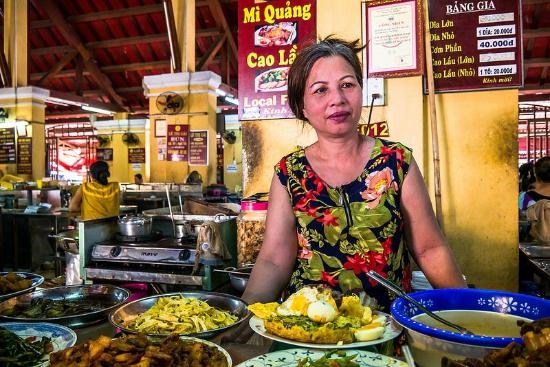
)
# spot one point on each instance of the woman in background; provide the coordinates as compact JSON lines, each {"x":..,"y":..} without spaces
{"x":97,"y":198}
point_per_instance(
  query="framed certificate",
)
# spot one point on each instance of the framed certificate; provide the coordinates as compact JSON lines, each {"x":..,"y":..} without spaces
{"x":393,"y":35}
{"x":160,"y":128}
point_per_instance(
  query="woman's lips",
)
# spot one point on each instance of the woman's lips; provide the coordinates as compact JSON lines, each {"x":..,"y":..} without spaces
{"x":339,"y":116}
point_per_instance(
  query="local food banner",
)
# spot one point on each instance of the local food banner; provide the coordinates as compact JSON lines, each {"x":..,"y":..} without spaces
{"x":270,"y":35}
{"x":475,"y":44}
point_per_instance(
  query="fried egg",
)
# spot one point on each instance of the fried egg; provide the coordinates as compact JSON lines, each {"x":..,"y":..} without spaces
{"x":297,"y":304}
{"x":321,"y":311}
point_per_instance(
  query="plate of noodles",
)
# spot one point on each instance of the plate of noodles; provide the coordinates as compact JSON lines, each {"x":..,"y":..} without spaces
{"x":200,"y":314}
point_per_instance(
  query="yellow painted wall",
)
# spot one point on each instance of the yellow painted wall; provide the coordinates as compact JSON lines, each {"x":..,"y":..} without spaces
{"x":477,"y":142}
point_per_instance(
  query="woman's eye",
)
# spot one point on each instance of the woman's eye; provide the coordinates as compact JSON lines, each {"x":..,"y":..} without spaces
{"x":320,"y":90}
{"x":347,"y":85}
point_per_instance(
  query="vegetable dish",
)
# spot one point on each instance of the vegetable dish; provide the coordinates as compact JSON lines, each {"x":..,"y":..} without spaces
{"x":22,"y":352}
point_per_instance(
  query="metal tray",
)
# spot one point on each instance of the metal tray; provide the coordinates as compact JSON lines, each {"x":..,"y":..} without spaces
{"x":535,"y":251}
{"x":35,"y":278}
{"x":122,"y":316}
{"x":105,"y":298}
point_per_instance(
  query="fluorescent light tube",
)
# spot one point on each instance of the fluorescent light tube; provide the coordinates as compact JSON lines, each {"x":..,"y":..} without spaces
{"x":98,"y":110}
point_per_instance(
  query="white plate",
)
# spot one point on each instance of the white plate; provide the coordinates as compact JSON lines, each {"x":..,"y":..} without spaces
{"x":291,"y":357}
{"x":62,"y":337}
{"x":274,"y":88}
{"x":392,"y":331}
{"x":267,"y":42}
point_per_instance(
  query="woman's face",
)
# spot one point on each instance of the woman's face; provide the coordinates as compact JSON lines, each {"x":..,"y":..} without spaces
{"x":332,"y":97}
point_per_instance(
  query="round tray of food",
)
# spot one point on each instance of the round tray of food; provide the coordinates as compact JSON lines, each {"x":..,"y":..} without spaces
{"x":74,"y":306}
{"x":199,"y":314}
{"x":30,"y":343}
{"x":140,"y":350}
{"x":17,"y":282}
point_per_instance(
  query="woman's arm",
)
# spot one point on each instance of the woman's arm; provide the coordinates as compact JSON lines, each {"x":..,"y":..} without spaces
{"x":425,"y":238}
{"x":76,"y":200}
{"x":277,"y":255}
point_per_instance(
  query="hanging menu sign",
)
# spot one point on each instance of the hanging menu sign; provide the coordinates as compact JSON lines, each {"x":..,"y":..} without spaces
{"x":24,"y":160}
{"x":198,"y":148}
{"x":177,"y":142}
{"x":7,"y":145}
{"x":475,"y":44}
{"x":270,"y":35}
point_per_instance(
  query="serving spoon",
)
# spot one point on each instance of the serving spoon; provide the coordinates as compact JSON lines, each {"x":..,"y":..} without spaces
{"x":400,"y":292}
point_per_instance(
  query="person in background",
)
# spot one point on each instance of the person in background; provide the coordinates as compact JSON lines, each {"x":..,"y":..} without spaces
{"x":348,"y":203}
{"x":97,"y":198}
{"x":194,"y":178}
{"x":138,"y":179}
{"x":537,"y":188}
{"x":535,"y":206}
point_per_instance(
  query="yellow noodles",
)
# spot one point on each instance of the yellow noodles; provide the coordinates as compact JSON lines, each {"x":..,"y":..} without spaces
{"x":181,"y":315}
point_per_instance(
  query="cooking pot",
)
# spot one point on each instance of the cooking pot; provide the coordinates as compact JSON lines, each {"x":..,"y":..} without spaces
{"x":135,"y":225}
{"x":238,"y":277}
{"x":185,"y":229}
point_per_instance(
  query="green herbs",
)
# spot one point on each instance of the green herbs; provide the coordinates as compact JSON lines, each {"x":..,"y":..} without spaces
{"x":18,"y":352}
{"x":335,"y":358}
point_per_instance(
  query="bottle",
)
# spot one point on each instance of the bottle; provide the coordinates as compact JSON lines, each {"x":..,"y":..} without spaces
{"x":250,"y":230}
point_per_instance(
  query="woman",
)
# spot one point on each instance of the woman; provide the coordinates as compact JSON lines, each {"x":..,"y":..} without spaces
{"x":348,"y":203}
{"x":97,"y":198}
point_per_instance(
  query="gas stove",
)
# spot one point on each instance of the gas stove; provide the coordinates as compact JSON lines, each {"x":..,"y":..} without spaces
{"x":164,"y":251}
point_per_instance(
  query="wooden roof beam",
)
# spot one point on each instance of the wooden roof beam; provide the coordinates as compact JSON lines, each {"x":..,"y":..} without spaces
{"x":51,"y":8}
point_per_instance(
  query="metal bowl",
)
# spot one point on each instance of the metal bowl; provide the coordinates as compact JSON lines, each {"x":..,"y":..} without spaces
{"x":125,"y":314}
{"x":35,"y":278}
{"x":104,"y":298}
{"x":239,"y":279}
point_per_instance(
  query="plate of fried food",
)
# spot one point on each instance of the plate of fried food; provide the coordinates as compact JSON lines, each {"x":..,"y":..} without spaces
{"x":281,"y":34}
{"x":30,"y":344}
{"x":199,"y":314}
{"x":140,"y":350}
{"x":311,"y":318}
{"x":15,"y":283}
{"x":300,"y":357}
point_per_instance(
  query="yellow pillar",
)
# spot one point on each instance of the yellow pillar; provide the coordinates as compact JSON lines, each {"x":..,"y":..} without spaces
{"x":23,"y":103}
{"x":198,"y":91}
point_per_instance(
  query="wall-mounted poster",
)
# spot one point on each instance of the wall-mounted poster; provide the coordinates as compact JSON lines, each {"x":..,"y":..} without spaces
{"x":104,"y":154}
{"x":136,"y":155}
{"x":475,"y":45}
{"x":7,"y":145}
{"x":198,"y":147}
{"x":177,"y":142}
{"x":270,"y":35}
{"x":394,"y":38}
{"x":24,"y":156}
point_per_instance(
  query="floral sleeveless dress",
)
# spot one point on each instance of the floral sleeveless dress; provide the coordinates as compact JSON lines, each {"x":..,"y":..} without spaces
{"x":343,"y":232}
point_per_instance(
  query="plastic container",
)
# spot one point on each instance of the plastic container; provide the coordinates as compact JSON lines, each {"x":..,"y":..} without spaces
{"x":250,"y":231}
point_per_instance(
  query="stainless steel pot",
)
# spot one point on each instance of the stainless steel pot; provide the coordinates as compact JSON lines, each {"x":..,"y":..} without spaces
{"x":135,"y":225}
{"x":238,"y":277}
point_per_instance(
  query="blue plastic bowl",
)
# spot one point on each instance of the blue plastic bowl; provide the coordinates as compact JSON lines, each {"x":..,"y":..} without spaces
{"x":429,"y":344}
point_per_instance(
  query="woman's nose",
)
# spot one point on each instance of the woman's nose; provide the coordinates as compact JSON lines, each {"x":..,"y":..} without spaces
{"x":337,"y":97}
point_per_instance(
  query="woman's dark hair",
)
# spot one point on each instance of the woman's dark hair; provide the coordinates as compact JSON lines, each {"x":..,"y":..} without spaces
{"x":526,"y":176}
{"x":542,"y":169}
{"x":302,"y":65}
{"x":99,"y":171}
